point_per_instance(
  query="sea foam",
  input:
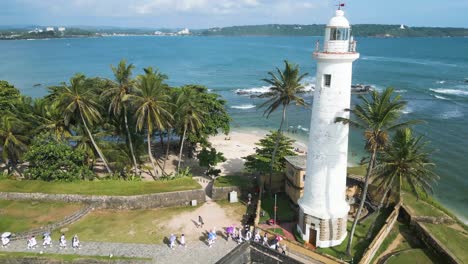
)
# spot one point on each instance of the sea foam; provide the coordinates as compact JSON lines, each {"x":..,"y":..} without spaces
{"x":450,"y":91}
{"x":243,"y":107}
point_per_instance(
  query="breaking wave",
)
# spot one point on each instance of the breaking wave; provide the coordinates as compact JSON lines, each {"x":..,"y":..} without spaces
{"x":450,"y":91}
{"x":243,"y":107}
{"x":309,"y":85}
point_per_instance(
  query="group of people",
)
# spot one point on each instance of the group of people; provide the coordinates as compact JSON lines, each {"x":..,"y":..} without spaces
{"x":46,"y":241}
{"x":172,"y":241}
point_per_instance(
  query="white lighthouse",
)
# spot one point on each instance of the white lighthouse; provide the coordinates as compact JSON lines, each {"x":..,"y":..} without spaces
{"x":323,"y":208}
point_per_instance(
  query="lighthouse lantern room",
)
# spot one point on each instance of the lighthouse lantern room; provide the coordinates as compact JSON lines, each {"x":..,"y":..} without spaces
{"x":323,"y":207}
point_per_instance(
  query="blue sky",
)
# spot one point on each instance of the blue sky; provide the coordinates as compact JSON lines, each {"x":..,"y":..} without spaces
{"x":211,"y":13}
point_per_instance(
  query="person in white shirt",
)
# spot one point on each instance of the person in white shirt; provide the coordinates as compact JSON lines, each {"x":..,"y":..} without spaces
{"x":257,"y":237}
{"x":5,"y":241}
{"x":62,"y":241}
{"x":32,"y":243}
{"x":182,"y":241}
{"x":47,"y":241}
{"x":75,"y":242}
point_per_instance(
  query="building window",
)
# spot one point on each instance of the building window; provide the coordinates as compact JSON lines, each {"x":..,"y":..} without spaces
{"x":327,"y":80}
{"x":339,"y":34}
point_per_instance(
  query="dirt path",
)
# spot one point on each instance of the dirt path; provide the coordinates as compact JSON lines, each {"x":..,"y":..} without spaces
{"x":214,"y":216}
{"x":398,"y":239}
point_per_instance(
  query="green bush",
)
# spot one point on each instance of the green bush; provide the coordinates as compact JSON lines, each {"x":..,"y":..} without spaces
{"x":51,"y":160}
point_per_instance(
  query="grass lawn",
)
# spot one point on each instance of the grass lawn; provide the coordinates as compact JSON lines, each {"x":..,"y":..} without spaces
{"x":284,"y":212}
{"x":454,"y":240}
{"x":420,"y":207}
{"x":415,"y":256}
{"x":60,"y":257}
{"x":358,"y":170}
{"x":20,"y":216}
{"x":136,"y":226}
{"x":240,"y":181}
{"x":105,"y":187}
{"x":359,"y":243}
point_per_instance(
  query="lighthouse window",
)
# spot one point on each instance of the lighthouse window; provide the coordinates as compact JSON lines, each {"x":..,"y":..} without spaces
{"x":327,"y":80}
{"x":339,"y":34}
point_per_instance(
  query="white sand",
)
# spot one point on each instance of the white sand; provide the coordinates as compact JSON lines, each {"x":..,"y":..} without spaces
{"x":239,"y":144}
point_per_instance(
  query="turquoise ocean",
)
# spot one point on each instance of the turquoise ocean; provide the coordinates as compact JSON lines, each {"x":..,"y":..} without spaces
{"x":430,"y":73}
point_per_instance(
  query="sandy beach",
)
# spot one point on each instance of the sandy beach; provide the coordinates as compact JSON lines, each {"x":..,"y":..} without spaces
{"x":239,"y":144}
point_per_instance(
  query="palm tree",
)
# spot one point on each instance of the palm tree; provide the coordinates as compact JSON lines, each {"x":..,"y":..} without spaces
{"x":189,"y":115}
{"x":377,"y":116}
{"x":406,"y":160}
{"x":284,"y":89}
{"x":50,"y":119}
{"x":77,"y":103}
{"x":12,"y":139}
{"x":118,"y":107}
{"x":151,"y":102}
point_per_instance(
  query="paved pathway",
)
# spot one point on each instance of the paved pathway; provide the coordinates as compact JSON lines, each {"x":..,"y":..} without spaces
{"x":195,"y":252}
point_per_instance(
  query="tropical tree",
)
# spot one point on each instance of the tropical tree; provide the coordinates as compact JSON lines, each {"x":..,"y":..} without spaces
{"x":50,"y":119}
{"x":189,"y":115}
{"x":151,"y":103}
{"x":260,"y":161}
{"x":285,"y":89}
{"x":406,"y":161}
{"x":118,"y":106}
{"x":377,"y":116}
{"x":13,"y":140}
{"x":77,"y":103}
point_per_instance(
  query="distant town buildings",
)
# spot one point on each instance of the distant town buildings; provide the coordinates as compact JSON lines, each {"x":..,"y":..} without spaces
{"x":50,"y":29}
{"x":61,"y":29}
{"x":183,"y":32}
{"x":402,"y":26}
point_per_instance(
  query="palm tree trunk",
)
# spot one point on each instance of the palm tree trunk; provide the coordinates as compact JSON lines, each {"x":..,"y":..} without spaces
{"x":151,"y":156}
{"x":278,"y":137}
{"x":181,"y":148}
{"x":94,"y":144}
{"x":130,"y":143}
{"x":167,"y":148}
{"x":363,"y":200}
{"x":161,"y":138}
{"x":371,"y":228}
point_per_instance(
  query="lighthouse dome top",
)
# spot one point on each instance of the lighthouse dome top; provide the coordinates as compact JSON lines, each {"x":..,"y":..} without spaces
{"x":339,"y":20}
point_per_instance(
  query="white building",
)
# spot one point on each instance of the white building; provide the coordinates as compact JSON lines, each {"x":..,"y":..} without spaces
{"x":61,"y":29}
{"x":49,"y":28}
{"x":323,"y":208}
{"x":184,"y":31}
{"x":402,"y":26}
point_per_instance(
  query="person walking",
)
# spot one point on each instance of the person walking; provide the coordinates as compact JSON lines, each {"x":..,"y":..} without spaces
{"x":200,"y":221}
{"x":62,"y":241}
{"x":172,"y":240}
{"x":265,"y":240}
{"x":182,"y":241}
{"x":283,"y":249}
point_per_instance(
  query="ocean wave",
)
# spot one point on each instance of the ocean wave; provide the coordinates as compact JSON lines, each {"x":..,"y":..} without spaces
{"x":450,"y":91}
{"x":243,"y":107}
{"x":407,"y":110}
{"x":440,"y":82}
{"x":308,"y":83}
{"x":440,"y":97}
{"x":408,"y":61}
{"x":401,"y":91}
{"x":299,"y":127}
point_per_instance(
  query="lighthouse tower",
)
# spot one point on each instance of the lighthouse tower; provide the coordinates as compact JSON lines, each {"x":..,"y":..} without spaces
{"x":323,"y":208}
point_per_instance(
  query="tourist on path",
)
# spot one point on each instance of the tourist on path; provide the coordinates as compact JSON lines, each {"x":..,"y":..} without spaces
{"x":200,"y":221}
{"x":62,"y":241}
{"x":265,"y":240}
{"x":32,"y":243}
{"x":75,"y":242}
{"x":182,"y":241}
{"x":172,"y":240}
{"x":257,"y":237}
{"x":6,"y":239}
{"x":47,"y":240}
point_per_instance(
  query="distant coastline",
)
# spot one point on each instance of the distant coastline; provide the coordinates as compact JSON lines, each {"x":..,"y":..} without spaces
{"x":360,"y":30}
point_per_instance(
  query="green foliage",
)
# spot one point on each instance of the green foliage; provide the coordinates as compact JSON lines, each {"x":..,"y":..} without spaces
{"x":260,"y":162}
{"x":209,"y":159}
{"x":52,"y":160}
{"x":9,"y":96}
{"x":284,"y":211}
{"x":239,"y":181}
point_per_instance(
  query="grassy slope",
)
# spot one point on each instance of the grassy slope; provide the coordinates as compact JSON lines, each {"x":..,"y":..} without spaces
{"x":420,"y":207}
{"x":359,"y":243}
{"x":227,"y":181}
{"x":19,"y":216}
{"x":454,"y":240}
{"x":107,"y":187}
{"x":416,"y":256}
